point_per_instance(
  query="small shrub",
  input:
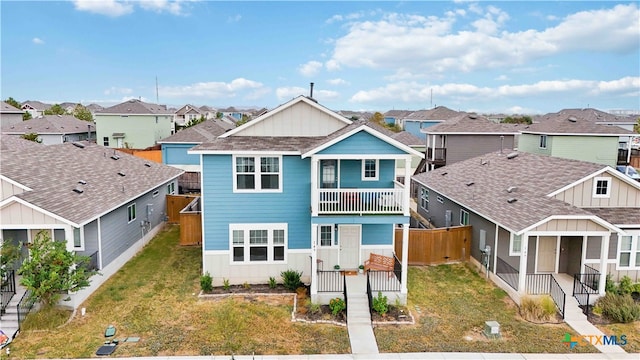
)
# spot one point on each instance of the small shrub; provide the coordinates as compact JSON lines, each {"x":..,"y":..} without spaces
{"x":225,"y":284}
{"x":272,"y":282}
{"x":206,"y":282}
{"x":619,"y":307}
{"x":625,"y":286}
{"x":246,"y":286}
{"x":337,"y":305}
{"x":537,"y":309}
{"x":380,"y":304}
{"x":314,"y":308}
{"x":291,"y":279}
{"x":610,"y":285}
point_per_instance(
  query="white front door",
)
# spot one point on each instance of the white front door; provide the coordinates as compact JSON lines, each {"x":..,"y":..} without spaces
{"x":349,"y":237}
{"x":547,"y":254}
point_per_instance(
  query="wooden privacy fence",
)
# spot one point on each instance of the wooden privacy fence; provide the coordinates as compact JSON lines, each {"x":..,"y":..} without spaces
{"x":436,"y":246}
{"x":151,"y":155}
{"x":175,"y":204}
{"x":186,"y":211}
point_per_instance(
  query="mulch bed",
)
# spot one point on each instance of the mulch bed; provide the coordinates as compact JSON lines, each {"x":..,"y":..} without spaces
{"x":249,"y":289}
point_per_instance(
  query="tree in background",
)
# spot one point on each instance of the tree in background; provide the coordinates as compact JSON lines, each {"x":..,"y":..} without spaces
{"x":244,"y":120}
{"x":82,"y":113}
{"x":378,"y":118}
{"x":636,"y":127}
{"x":51,"y":270}
{"x":9,"y":253}
{"x":31,"y":137}
{"x":193,"y":122}
{"x":56,"y":109}
{"x":13,"y":102}
{"x":518,"y":120}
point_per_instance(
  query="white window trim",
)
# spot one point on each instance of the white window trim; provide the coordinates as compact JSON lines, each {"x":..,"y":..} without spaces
{"x":595,"y":186}
{"x":171,"y":188}
{"x":81,"y":233}
{"x":333,"y":236}
{"x":424,"y":200}
{"x":540,"y":141}
{"x":155,"y":193}
{"x":375,"y":178}
{"x":635,"y":248}
{"x":511,"y":250}
{"x":135,"y":215}
{"x":270,"y":227}
{"x":464,"y":213}
{"x":257,"y":179}
{"x":440,"y":199}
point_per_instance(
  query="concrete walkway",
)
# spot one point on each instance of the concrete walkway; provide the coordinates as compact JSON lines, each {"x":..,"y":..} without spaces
{"x":361,"y":336}
{"x":9,"y":320}
{"x":578,"y":321}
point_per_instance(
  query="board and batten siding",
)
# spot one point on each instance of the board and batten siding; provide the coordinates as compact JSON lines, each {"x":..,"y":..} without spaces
{"x":222,"y":206}
{"x":351,"y":175}
{"x":560,"y":225}
{"x":176,"y":154}
{"x":581,"y":195}
{"x":362,"y":143}
{"x":18,"y":214}
{"x":8,"y":189}
{"x":90,"y":238}
{"x":463,"y":147}
{"x":300,"y":119}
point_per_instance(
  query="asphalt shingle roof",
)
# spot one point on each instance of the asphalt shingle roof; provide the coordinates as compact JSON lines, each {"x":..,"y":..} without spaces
{"x":563,"y":123}
{"x":532,"y":177}
{"x":437,"y":113}
{"x":618,"y":216}
{"x":52,"y":172}
{"x":16,"y":143}
{"x":408,"y":139}
{"x":8,"y":108}
{"x":49,"y":124}
{"x":206,"y":131}
{"x":137,"y":107}
{"x":472,"y":123}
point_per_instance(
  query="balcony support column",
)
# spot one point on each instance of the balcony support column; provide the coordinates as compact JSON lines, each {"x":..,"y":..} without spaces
{"x":314,"y":186}
{"x":406,"y":195}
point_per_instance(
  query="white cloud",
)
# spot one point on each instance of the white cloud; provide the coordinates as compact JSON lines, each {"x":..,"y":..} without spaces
{"x":502,"y":78}
{"x":234,"y":19}
{"x":37,"y":41}
{"x":429,"y":45}
{"x":213,"y":89}
{"x":311,"y":68}
{"x":337,"y":81}
{"x":173,"y":7}
{"x":117,"y":91}
{"x":104,"y":7}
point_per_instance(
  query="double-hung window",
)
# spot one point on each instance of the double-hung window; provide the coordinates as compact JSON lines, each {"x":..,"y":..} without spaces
{"x":131,"y":212}
{"x":370,"y":169}
{"x":464,"y":217}
{"x":543,"y":142}
{"x":257,"y":173}
{"x":629,"y":253}
{"x":424,"y":198}
{"x":515,"y":245}
{"x":258,"y":243}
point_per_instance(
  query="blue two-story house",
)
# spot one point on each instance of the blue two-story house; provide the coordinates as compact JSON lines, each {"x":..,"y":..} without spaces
{"x":301,"y":188}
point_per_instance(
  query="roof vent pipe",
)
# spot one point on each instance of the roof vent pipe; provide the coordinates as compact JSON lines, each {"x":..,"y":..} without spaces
{"x":311,"y":90}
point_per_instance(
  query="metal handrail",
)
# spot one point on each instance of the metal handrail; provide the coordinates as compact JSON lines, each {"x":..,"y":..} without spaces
{"x":7,"y":289}
{"x":558,"y":295}
{"x":507,"y":273}
{"x":329,"y":281}
{"x":24,"y":306}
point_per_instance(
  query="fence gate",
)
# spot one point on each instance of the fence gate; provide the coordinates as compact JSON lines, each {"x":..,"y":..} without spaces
{"x":436,"y":246}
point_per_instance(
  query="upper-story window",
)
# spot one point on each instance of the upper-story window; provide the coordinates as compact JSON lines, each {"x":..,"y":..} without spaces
{"x":464,"y":217}
{"x":370,"y":169}
{"x":543,"y":141}
{"x":257,"y":173}
{"x":601,"y":187}
{"x":105,"y":141}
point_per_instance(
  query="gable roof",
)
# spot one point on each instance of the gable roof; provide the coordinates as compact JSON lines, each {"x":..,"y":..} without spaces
{"x":38,"y":105}
{"x":135,"y":107}
{"x":52,"y":172}
{"x":437,"y":113}
{"x":49,"y":124}
{"x":94,"y":107}
{"x":397,"y":114}
{"x":568,"y":124}
{"x":206,"y":131}
{"x":408,"y":139}
{"x":280,"y":108}
{"x":465,"y":123}
{"x":6,"y":108}
{"x":16,"y":143}
{"x":481,"y":185}
{"x":187,"y":109}
{"x":596,"y":116}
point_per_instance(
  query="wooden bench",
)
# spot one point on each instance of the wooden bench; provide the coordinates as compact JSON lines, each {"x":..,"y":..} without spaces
{"x":379,"y":262}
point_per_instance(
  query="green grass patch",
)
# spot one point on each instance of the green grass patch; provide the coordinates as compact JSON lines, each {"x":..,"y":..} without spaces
{"x":451,"y":304}
{"x":46,"y":319}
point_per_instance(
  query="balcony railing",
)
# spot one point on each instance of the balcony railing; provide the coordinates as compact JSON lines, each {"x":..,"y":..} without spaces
{"x":437,"y":156}
{"x":361,"y":201}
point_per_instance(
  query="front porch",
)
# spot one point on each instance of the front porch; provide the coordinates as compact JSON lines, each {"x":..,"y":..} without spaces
{"x":332,"y":283}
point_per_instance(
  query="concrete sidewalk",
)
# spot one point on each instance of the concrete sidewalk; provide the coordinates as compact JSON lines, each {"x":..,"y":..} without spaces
{"x":361,"y":336}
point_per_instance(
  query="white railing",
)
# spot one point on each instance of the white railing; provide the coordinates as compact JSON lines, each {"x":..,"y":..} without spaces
{"x":361,"y":201}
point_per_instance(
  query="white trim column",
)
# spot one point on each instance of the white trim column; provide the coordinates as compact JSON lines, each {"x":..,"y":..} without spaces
{"x":406,"y":195}
{"x":314,"y":187}
{"x":314,"y":263}
{"x":604,"y":254}
{"x":522,"y":271}
{"x":405,"y":258}
{"x":68,"y":233}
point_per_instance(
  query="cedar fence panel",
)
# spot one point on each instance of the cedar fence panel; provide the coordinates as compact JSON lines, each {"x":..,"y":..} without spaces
{"x":175,"y":204}
{"x":151,"y":155}
{"x":436,"y":246}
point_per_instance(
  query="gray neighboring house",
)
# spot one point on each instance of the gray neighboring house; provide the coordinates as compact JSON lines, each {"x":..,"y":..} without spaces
{"x":54,"y":129}
{"x":175,"y":147}
{"x":103,"y":203}
{"x":466,"y":136}
{"x":35,"y":108}
{"x":422,"y":119}
{"x":539,"y":215}
{"x":9,"y":114}
{"x":578,"y":135}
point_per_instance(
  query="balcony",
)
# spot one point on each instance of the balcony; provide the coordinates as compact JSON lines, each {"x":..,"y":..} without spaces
{"x":361,"y":201}
{"x":437,"y":156}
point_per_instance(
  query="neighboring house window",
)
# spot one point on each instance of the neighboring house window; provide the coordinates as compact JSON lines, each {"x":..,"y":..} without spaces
{"x":131,"y":212}
{"x":424,"y":198}
{"x":326,"y":235}
{"x":370,"y":169}
{"x":156,"y":193}
{"x":543,"y":141}
{"x":464,"y":217}
{"x":77,"y":239}
{"x":515,"y":245}
{"x":629,"y":254}
{"x":601,"y":187}
{"x":171,"y":188}
{"x":258,"y":242}
{"x":105,"y":141}
{"x":257,"y":173}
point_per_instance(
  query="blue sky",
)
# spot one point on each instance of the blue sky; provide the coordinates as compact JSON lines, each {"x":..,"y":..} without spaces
{"x":508,"y":57}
